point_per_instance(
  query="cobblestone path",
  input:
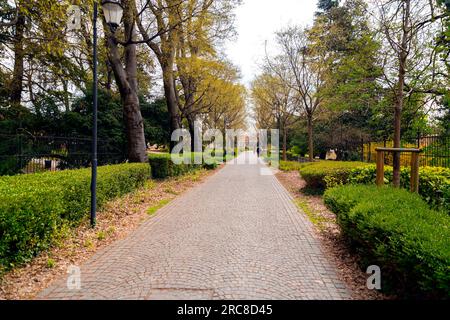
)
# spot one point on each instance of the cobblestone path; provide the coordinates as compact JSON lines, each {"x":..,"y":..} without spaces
{"x":237,"y":236}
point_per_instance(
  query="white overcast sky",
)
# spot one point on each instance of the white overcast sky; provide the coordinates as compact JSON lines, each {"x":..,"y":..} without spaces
{"x":256,"y":22}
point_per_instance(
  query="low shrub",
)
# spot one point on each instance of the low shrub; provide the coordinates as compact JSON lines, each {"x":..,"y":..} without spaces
{"x":34,"y":208}
{"x":163,"y":166}
{"x":210,"y":166}
{"x":434,"y":185}
{"x":320,"y":174}
{"x":434,"y":182}
{"x":292,"y":165}
{"x":396,"y":230}
{"x":160,"y":164}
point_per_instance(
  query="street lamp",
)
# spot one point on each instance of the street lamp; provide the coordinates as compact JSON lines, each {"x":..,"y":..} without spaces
{"x":113,"y":12}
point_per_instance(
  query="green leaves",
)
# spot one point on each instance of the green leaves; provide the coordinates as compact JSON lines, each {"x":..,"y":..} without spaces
{"x":163,"y":167}
{"x":35,"y":207}
{"x":396,"y":229}
{"x":318,"y":174}
{"x":434,"y":182}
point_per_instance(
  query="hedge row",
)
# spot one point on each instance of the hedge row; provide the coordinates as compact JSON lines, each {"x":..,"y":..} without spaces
{"x":163,"y":166}
{"x":434,"y":182}
{"x":292,"y":165}
{"x":315,"y":174}
{"x":35,"y":208}
{"x":396,"y":230}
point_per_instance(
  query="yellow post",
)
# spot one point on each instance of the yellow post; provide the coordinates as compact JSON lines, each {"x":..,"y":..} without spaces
{"x":380,"y":168}
{"x":415,"y":172}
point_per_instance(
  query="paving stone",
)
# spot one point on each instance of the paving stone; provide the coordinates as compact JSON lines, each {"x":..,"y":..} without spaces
{"x":238,"y":235}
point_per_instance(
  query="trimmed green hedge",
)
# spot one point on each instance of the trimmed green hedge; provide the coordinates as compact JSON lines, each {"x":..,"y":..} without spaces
{"x":396,"y":230}
{"x":163,"y":166}
{"x":160,"y":164}
{"x":34,"y":208}
{"x":293,"y":165}
{"x":315,"y":174}
{"x":434,"y":182}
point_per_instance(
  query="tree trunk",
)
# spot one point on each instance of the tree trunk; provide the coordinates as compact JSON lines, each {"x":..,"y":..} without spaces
{"x":225,"y":138}
{"x":165,"y":53}
{"x":403,"y":56}
{"x":109,"y":77}
{"x":137,"y":151}
{"x":191,"y":122}
{"x":397,"y":141}
{"x":310,"y":138}
{"x":16,"y":85}
{"x":284,"y":143}
{"x":172,"y":105}
{"x":126,"y":79}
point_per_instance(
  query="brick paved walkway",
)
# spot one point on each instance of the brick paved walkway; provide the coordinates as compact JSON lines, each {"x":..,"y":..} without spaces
{"x":237,"y":236}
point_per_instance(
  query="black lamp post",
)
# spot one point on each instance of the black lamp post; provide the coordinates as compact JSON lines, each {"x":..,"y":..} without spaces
{"x":113,"y":12}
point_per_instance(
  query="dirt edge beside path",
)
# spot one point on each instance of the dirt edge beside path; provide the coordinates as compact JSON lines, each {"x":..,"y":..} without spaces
{"x":114,"y":222}
{"x":328,"y":231}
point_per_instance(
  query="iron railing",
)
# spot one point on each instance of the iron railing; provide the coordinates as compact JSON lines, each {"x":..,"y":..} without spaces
{"x":435,"y":151}
{"x":28,"y":153}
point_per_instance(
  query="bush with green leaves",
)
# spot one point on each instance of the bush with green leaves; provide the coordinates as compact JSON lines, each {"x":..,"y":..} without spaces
{"x":163,"y":167}
{"x":396,"y":230}
{"x":434,"y":182}
{"x":160,"y":164}
{"x":34,"y":208}
{"x":317,"y":175}
{"x":292,"y":165}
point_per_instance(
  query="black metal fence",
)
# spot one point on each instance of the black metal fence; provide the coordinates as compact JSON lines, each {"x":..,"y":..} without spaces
{"x":435,"y":151}
{"x":27,"y":153}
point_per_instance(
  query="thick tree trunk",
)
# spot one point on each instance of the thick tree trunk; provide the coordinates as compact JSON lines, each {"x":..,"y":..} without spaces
{"x":137,"y":151}
{"x":310,"y":138}
{"x":126,"y":79}
{"x":165,"y":53}
{"x":16,"y":85}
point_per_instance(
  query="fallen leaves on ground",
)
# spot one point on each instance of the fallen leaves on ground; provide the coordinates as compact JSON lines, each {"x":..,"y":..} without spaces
{"x":114,"y":222}
{"x":333,"y":242}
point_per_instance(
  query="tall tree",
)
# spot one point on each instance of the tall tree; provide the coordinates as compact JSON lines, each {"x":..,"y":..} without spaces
{"x":352,"y":71}
{"x":163,"y":18}
{"x":28,"y":33}
{"x":302,"y":70}
{"x":182,"y":29}
{"x":275,"y":106}
{"x":127,"y":82}
{"x":406,"y":26}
